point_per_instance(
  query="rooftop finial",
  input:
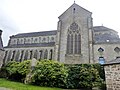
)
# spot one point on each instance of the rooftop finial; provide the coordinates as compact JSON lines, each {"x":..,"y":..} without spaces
{"x":74,"y":1}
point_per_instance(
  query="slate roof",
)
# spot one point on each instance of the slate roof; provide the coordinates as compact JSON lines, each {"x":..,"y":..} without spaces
{"x":103,"y":38}
{"x":34,"y":34}
{"x":102,"y":28}
{"x":50,"y":44}
{"x":116,"y":61}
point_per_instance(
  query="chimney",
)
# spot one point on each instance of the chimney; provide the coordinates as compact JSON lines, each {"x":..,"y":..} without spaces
{"x":0,"y":33}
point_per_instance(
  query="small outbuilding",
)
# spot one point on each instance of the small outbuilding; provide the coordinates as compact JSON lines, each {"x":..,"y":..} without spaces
{"x":112,"y":74}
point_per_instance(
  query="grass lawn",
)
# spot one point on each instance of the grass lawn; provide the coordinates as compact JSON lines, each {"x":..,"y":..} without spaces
{"x":20,"y":86}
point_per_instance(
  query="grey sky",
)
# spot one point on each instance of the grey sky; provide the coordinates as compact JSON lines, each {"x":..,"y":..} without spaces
{"x":20,"y":16}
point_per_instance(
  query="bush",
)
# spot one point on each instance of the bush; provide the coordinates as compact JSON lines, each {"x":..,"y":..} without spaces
{"x":3,"y":73}
{"x":89,"y":77}
{"x":83,"y":76}
{"x":73,"y":78}
{"x":100,"y":69}
{"x":17,"y":71}
{"x":49,"y":73}
{"x":54,"y":74}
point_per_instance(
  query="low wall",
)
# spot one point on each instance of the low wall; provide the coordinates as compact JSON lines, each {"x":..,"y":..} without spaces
{"x":112,"y":74}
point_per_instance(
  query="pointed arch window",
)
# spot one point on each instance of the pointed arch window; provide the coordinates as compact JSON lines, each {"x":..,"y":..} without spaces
{"x":73,"y":39}
{"x":41,"y":52}
{"x":21,"y":57}
{"x":31,"y":53}
{"x":9,"y":55}
{"x":5,"y":57}
{"x":26,"y":55}
{"x":17,"y":55}
{"x":36,"y":54}
{"x":13,"y":55}
{"x":51,"y":54}
{"x":45,"y":54}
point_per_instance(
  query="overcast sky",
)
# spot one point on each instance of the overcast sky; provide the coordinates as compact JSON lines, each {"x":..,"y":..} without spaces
{"x":21,"y":16}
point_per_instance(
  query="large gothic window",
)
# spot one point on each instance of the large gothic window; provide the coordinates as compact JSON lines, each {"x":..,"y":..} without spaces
{"x":73,"y":39}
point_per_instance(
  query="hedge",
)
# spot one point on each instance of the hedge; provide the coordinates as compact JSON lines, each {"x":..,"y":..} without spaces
{"x":55,"y":74}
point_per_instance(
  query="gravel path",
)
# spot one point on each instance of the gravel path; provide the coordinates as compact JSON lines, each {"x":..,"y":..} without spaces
{"x":3,"y":88}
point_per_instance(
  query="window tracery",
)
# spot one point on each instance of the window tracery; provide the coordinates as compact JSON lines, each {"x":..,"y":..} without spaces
{"x":73,"y":39}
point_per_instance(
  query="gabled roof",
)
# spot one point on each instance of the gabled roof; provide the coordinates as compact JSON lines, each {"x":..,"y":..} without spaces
{"x":73,"y":5}
{"x":34,"y":34}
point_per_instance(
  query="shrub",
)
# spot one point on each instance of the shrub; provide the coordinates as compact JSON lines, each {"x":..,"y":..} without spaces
{"x":100,"y":69}
{"x":73,"y":78}
{"x":3,"y":73}
{"x":54,"y":74}
{"x":89,"y":77}
{"x":83,"y":76}
{"x":17,"y":71}
{"x":11,"y":70}
{"x":49,"y":73}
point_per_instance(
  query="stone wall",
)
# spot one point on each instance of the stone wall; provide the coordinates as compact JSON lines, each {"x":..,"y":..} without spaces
{"x":112,"y":74}
{"x":21,"y":54}
{"x":1,"y":57}
{"x":109,"y":52}
{"x":1,"y":49}
{"x":80,"y":16}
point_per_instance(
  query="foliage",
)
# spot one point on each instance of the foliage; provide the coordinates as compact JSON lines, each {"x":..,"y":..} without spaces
{"x":3,"y":73}
{"x":89,"y":77}
{"x":17,"y":71}
{"x":100,"y":69}
{"x":83,"y":76}
{"x":50,"y":73}
{"x":73,"y":78}
{"x":24,"y":67}
{"x":11,"y":67}
{"x":20,"y":86}
{"x":54,"y":74}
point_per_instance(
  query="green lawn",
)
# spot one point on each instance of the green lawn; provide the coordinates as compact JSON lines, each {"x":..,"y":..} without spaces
{"x":20,"y":86}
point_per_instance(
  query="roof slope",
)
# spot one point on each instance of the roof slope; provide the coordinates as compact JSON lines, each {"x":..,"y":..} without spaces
{"x":103,"y":34}
{"x":116,"y":61}
{"x":75,"y":5}
{"x":102,"y":28}
{"x":34,"y":34}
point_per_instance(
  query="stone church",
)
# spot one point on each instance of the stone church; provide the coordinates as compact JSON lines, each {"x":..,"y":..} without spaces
{"x":75,"y":41}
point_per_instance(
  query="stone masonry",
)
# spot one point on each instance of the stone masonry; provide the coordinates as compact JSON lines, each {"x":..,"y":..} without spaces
{"x":112,"y":74}
{"x":1,"y":50}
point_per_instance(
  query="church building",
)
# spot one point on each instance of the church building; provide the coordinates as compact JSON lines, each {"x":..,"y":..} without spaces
{"x":75,"y":41}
